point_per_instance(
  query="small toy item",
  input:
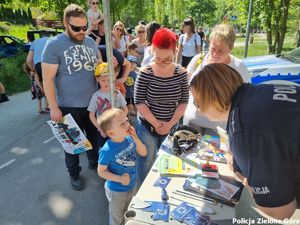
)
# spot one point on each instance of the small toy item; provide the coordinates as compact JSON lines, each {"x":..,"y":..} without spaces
{"x":164,"y":195}
{"x":208,"y":167}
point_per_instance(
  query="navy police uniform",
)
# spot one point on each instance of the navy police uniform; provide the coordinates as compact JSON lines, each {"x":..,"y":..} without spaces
{"x":264,"y":135}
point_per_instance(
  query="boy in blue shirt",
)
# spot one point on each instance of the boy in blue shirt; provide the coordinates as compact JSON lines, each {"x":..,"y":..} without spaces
{"x":117,"y":162}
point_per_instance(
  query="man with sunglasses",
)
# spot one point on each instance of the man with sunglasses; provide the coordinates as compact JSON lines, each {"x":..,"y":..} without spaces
{"x":68,"y":64}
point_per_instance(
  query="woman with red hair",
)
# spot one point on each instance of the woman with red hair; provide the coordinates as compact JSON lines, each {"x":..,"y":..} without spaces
{"x":161,"y":94}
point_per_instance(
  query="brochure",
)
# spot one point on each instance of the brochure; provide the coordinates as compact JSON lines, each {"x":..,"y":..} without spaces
{"x":223,"y":190}
{"x":173,"y":165}
{"x":69,"y":135}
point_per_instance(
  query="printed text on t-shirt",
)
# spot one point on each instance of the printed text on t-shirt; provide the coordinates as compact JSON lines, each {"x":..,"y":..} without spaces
{"x":79,"y":57}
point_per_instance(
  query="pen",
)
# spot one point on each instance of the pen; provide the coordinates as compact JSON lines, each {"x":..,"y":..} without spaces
{"x":195,"y":197}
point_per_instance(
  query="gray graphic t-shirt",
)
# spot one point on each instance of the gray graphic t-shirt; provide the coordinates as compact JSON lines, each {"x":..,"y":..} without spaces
{"x":75,"y":81}
{"x":100,"y":102}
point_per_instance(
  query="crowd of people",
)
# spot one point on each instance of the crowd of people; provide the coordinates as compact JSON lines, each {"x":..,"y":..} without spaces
{"x":159,"y":78}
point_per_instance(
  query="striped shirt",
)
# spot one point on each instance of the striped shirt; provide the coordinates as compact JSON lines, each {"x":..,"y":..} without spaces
{"x":161,"y":95}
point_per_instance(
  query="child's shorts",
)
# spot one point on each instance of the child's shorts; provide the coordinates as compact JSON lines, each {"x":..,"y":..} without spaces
{"x":129,"y":101}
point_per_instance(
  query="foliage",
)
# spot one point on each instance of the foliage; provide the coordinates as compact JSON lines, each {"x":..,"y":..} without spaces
{"x":19,"y":16}
{"x":19,"y":31}
{"x":12,"y":75}
{"x":202,"y":11}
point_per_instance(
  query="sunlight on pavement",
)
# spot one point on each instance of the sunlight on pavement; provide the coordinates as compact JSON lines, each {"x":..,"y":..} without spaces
{"x":38,"y":160}
{"x":55,"y":150}
{"x":19,"y":150}
{"x":60,"y":206}
{"x":13,"y":223}
{"x":48,"y":223}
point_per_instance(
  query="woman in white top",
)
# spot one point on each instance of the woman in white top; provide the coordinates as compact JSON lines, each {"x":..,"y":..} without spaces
{"x":189,"y":43}
{"x":140,"y":41}
{"x":221,"y":44}
{"x":119,"y":38}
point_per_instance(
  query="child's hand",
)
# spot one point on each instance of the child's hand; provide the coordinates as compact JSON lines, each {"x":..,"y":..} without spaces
{"x":125,"y":179}
{"x":132,"y":132}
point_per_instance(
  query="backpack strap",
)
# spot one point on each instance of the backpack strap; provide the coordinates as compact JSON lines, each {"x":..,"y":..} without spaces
{"x":199,"y":61}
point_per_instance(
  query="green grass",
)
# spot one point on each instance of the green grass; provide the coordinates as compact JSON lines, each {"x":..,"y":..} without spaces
{"x":19,"y":31}
{"x":12,"y":75}
{"x":259,"y":46}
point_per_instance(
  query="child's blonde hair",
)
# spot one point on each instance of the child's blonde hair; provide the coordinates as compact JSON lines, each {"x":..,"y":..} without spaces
{"x":106,"y":119}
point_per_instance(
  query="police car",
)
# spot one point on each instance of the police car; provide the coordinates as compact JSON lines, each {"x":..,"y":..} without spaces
{"x":282,"y":69}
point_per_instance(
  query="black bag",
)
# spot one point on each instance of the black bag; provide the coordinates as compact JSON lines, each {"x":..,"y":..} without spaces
{"x":184,"y":139}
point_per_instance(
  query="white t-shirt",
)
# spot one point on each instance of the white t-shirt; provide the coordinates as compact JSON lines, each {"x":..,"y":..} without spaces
{"x":148,"y":56}
{"x":192,"y":116}
{"x":189,"y":46}
{"x":123,"y":43}
{"x":93,"y":14}
{"x":100,"y":102}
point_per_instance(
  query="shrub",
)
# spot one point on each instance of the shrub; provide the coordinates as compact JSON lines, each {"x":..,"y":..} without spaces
{"x":12,"y":75}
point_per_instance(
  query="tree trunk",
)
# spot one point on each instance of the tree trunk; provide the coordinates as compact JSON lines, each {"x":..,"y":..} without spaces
{"x":298,"y":37}
{"x":278,"y":15}
{"x":269,"y":9}
{"x":298,"y":31}
{"x":286,"y":4}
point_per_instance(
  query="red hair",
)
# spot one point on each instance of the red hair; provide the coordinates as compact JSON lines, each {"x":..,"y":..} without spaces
{"x":164,"y":39}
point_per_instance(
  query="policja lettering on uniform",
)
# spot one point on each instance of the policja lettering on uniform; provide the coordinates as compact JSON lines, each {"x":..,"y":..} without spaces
{"x":281,"y":93}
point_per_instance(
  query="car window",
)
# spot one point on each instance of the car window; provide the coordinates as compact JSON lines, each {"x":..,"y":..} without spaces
{"x":293,"y":55}
{"x":9,"y":41}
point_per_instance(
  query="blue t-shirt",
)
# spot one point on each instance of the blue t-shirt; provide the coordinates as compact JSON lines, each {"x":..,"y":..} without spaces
{"x":129,"y":84}
{"x":120,"y":158}
{"x":264,"y":134}
{"x":37,"y":47}
{"x":189,"y":46}
{"x":75,"y":80}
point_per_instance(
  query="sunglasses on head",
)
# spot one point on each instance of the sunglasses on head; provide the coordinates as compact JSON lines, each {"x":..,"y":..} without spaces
{"x":78,"y":28}
{"x":95,"y":3}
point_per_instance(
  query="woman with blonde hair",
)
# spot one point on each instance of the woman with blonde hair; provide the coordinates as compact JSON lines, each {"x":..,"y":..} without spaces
{"x":221,"y":44}
{"x":140,"y":41}
{"x":263,"y":126}
{"x":120,"y":40}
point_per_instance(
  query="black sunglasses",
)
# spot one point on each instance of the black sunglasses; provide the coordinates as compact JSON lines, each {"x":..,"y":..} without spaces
{"x":95,"y":3}
{"x":78,"y":28}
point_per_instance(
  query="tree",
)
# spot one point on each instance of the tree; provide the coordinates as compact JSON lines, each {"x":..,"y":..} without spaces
{"x":29,"y":15}
{"x":202,"y":11}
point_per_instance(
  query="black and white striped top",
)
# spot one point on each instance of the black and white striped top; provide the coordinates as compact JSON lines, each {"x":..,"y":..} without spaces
{"x":162,"y":95}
